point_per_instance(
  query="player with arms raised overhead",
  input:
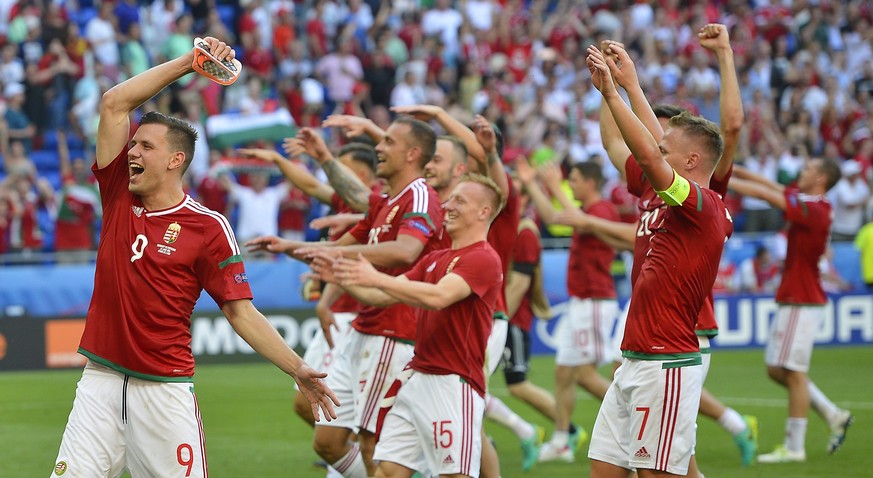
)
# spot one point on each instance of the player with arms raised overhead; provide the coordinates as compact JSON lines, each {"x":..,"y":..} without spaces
{"x":646,"y":420}
{"x":135,"y":407}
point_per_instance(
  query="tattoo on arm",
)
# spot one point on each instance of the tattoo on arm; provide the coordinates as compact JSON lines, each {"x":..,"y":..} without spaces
{"x":347,"y":186}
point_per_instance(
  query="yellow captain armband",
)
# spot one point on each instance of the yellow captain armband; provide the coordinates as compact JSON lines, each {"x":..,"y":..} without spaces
{"x":678,"y":192}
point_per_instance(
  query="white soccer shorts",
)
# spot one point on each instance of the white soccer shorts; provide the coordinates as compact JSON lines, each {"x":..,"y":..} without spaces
{"x":618,"y":335}
{"x":584,"y":332}
{"x":121,"y":422}
{"x":434,"y":426}
{"x":496,"y":345}
{"x":792,"y":336}
{"x":647,"y":418}
{"x":705,"y":354}
{"x":360,"y":375}
{"x":318,"y":355}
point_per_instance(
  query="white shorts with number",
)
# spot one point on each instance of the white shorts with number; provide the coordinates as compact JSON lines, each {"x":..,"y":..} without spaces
{"x":121,"y":422}
{"x":584,"y":332}
{"x":360,"y":375}
{"x":792,"y":335}
{"x":618,"y":335}
{"x":496,"y":345}
{"x":647,"y":418}
{"x":319,"y":355}
{"x":435,"y":426}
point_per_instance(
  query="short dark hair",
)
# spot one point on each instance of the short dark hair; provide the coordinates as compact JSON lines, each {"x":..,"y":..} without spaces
{"x":421,"y":136}
{"x":667,"y":111}
{"x":590,"y":170}
{"x":458,"y":147}
{"x":360,"y":152}
{"x":703,"y":130}
{"x":831,"y":169}
{"x":181,"y":136}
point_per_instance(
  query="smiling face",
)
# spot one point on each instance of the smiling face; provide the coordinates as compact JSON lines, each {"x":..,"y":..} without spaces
{"x":441,"y":171}
{"x":467,"y":206}
{"x":393,"y":150}
{"x":150,"y":159}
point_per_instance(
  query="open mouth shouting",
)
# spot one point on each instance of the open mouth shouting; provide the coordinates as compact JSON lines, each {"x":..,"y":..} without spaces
{"x":135,"y":169}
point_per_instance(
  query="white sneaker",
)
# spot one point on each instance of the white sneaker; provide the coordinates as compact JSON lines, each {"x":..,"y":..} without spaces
{"x":551,"y":452}
{"x":838,"y":430}
{"x":783,"y":455}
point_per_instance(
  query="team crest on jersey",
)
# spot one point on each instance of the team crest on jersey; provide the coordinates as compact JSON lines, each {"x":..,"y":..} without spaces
{"x":240,"y":278}
{"x":452,"y":265}
{"x":172,"y":233}
{"x":391,"y":214}
{"x":60,"y":468}
{"x":138,"y":210}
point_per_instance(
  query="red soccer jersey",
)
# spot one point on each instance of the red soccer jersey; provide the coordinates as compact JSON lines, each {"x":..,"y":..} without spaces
{"x":415,"y":211}
{"x":502,"y":235}
{"x":676,"y":259}
{"x":809,"y":219}
{"x":345,"y":303}
{"x":589,"y":265}
{"x":151,"y":268}
{"x":525,"y":255}
{"x":453,"y":340}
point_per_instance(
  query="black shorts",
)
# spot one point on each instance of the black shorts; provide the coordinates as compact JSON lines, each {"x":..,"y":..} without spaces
{"x":516,"y":355}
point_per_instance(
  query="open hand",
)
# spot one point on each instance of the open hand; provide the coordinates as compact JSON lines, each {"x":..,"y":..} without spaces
{"x":316,"y":392}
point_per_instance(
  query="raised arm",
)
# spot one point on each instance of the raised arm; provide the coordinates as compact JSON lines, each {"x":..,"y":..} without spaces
{"x":612,"y":140}
{"x":487,"y":139}
{"x":639,"y":140}
{"x":295,"y":173}
{"x":113,"y":131}
{"x":254,"y":328}
{"x":743,"y":173}
{"x":527,"y":176}
{"x":714,"y":37}
{"x":774,"y":196}
{"x":624,"y":73}
{"x":355,"y":126}
{"x":349,"y":187}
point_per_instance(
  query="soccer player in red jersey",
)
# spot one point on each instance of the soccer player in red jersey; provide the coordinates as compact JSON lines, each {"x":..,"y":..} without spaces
{"x":583,"y":335}
{"x":396,"y":231}
{"x":801,"y":301}
{"x":135,"y":407}
{"x":435,"y":421}
{"x":351,"y":174}
{"x":646,"y":420}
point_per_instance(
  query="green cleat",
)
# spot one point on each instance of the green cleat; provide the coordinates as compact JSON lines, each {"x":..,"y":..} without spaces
{"x":747,"y":440}
{"x":578,"y":439}
{"x":530,"y":451}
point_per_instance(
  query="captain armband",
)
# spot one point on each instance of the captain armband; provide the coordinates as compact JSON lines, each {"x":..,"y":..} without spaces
{"x":678,"y":192}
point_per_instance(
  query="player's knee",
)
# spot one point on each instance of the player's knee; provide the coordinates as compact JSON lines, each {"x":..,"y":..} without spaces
{"x":776,"y":373}
{"x":327,"y":447}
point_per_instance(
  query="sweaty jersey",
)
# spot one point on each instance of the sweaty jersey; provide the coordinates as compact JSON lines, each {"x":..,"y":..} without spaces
{"x":676,"y":258}
{"x":151,"y":268}
{"x":415,"y":211}
{"x":453,"y":340}
{"x":809,"y":222}
{"x":589,"y":274}
{"x":502,"y":236}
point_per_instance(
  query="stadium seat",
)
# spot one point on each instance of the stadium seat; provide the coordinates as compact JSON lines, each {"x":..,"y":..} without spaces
{"x":54,"y":178}
{"x":45,"y":161}
{"x":83,"y":16}
{"x":227,"y":13}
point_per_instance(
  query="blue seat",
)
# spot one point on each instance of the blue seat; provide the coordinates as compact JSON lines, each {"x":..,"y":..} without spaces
{"x":45,"y":160}
{"x":227,"y":13}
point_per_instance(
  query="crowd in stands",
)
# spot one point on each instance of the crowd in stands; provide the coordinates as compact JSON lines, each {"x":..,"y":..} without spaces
{"x":805,"y":71}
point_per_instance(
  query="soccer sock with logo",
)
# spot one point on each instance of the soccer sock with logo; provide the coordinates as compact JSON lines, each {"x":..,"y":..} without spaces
{"x":732,"y":421}
{"x":352,"y":464}
{"x":795,"y":434}
{"x":496,"y":410}
{"x":821,"y":403}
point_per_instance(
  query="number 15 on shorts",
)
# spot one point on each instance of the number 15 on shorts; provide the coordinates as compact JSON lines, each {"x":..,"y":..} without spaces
{"x":442,"y":434}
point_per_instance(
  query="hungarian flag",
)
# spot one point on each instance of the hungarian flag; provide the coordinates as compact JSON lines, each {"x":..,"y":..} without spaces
{"x":236,"y":129}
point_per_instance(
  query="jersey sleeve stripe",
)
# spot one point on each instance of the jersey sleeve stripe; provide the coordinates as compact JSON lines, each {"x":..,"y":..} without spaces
{"x":420,"y":198}
{"x":225,"y":226}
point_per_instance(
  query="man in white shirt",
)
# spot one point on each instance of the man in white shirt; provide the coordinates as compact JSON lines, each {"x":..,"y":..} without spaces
{"x":849,"y":197}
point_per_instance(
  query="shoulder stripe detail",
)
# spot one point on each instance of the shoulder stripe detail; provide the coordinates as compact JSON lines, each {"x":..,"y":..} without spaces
{"x":414,"y":183}
{"x":171,"y":211}
{"x":420,"y":198}
{"x":222,"y":221}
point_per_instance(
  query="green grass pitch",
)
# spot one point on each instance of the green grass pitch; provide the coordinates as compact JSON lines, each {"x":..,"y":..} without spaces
{"x":252,"y":431}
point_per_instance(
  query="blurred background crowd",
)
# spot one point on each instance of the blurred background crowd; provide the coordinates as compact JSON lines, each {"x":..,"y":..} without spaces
{"x":805,"y":71}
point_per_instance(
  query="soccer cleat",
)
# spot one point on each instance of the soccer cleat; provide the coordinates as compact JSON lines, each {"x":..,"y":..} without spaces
{"x":783,"y":455}
{"x":838,"y":431}
{"x":530,"y":451}
{"x":222,"y":72}
{"x":747,"y":440}
{"x":551,"y":452}
{"x":577,"y":439}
